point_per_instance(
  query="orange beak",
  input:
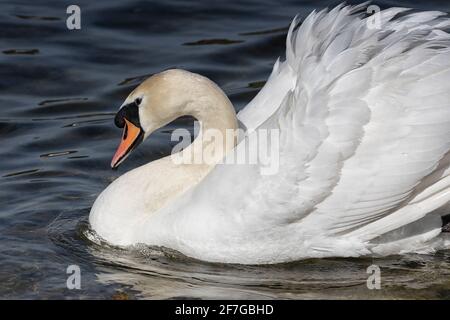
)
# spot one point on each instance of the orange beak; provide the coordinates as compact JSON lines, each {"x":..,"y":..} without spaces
{"x":132,"y":136}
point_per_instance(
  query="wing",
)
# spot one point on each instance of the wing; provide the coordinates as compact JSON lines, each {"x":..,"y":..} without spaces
{"x":363,"y":116}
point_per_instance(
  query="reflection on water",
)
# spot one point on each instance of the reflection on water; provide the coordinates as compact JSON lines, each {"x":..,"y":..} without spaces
{"x":159,"y":273}
{"x":59,"y":91}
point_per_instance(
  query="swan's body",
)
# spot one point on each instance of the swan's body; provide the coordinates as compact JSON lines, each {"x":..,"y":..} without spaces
{"x":364,"y":120}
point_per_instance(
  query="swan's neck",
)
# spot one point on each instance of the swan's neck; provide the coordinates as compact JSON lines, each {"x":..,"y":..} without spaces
{"x":217,"y":132}
{"x":165,"y":179}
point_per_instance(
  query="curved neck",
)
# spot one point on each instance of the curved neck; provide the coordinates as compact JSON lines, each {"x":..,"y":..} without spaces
{"x":217,"y":128}
{"x":215,"y":113}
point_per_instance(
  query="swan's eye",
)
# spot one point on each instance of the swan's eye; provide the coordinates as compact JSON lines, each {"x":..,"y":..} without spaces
{"x":138,"y":101}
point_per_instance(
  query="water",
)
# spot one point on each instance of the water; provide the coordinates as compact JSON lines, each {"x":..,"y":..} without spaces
{"x":59,"y":90}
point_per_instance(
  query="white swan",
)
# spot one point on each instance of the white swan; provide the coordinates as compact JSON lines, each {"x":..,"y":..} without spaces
{"x":364,"y":116}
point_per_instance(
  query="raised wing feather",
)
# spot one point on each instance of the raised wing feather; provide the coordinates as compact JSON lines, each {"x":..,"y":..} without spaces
{"x":364,"y":122}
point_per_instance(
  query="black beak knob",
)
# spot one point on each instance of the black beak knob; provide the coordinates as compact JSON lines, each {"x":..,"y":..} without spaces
{"x":130,"y":112}
{"x":119,"y":118}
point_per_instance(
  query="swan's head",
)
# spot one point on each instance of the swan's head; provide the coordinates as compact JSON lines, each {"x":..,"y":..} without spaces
{"x":154,"y":103}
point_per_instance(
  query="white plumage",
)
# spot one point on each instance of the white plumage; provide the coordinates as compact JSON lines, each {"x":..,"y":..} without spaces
{"x":364,"y":117}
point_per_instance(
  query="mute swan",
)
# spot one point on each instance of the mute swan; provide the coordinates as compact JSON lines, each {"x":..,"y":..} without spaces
{"x":364,"y":121}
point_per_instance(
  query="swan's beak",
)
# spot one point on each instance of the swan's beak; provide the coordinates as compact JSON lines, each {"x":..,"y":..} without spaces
{"x":132,"y":136}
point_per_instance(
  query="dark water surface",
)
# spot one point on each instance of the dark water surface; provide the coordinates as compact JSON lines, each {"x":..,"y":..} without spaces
{"x":59,"y":90}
